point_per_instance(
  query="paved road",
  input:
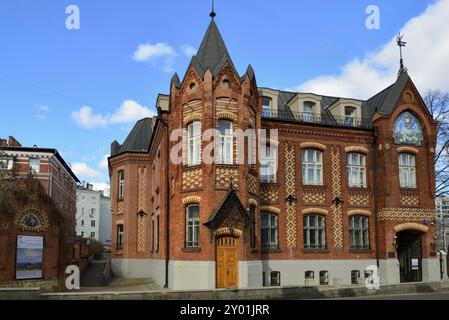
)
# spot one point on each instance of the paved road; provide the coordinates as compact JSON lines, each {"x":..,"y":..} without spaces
{"x":412,"y":296}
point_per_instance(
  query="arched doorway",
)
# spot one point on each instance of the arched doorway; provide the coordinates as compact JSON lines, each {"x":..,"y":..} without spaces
{"x":409,"y":249}
{"x":227,"y":262}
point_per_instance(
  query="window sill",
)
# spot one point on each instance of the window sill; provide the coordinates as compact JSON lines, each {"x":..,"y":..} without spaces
{"x":270,"y":250}
{"x":314,"y":186}
{"x":360,"y":251}
{"x":192,"y":167}
{"x":415,"y":189}
{"x":191,"y":250}
{"x":120,"y":199}
{"x":316,"y":251}
{"x":358,"y":188}
{"x":269,"y":184}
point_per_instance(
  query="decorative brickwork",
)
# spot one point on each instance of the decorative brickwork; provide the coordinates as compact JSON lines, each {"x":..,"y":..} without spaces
{"x":406,"y":214}
{"x":142,"y":208}
{"x":270,"y":194}
{"x":336,"y":192}
{"x":120,"y":207}
{"x":359,"y":198}
{"x":252,"y":183}
{"x":192,"y":179}
{"x":314,"y":196}
{"x":410,"y":198}
{"x":225,"y":175}
{"x":290,"y":191}
{"x":39,"y":220}
{"x":192,"y":112}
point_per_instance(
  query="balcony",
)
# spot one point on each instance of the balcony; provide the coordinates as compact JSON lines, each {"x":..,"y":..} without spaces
{"x":321,"y":119}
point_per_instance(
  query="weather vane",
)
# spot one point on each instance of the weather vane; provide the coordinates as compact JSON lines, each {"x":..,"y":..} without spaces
{"x":401,"y":44}
{"x":212,"y":13}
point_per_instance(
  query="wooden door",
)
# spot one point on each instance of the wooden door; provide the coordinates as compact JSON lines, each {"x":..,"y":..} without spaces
{"x":227,"y":262}
{"x":410,"y":252}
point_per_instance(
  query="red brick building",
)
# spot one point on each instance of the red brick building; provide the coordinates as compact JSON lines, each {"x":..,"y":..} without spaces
{"x":341,"y":190}
{"x":37,"y":213}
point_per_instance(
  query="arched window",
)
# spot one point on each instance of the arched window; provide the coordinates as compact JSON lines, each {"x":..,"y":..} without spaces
{"x":359,"y":233}
{"x":312,"y":167}
{"x":356,"y":170}
{"x":269,"y":231}
{"x":192,"y":226}
{"x":314,"y":232}
{"x":194,"y":143}
{"x":225,"y":142}
{"x":309,"y":108}
{"x":407,"y":171}
{"x":268,"y":164}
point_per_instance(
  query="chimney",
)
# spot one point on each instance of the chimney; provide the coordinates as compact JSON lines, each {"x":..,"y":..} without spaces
{"x":13,"y":142}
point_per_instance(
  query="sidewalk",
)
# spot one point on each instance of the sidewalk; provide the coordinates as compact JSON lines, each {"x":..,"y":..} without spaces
{"x":124,"y":284}
{"x":271,"y":293}
{"x":145,"y":289}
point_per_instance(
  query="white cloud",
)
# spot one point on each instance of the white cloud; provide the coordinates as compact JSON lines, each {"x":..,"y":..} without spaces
{"x":188,"y":50}
{"x":147,"y":51}
{"x":102,"y":186}
{"x":44,"y":109}
{"x":42,"y":112}
{"x":104,"y":162}
{"x":426,"y":56}
{"x":81,"y":169}
{"x":86,"y":119}
{"x":130,"y":111}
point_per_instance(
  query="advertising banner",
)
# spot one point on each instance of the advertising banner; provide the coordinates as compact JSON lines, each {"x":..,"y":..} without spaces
{"x":29,"y":258}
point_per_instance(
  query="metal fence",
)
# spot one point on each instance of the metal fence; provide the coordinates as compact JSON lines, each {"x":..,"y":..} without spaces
{"x":320,"y":119}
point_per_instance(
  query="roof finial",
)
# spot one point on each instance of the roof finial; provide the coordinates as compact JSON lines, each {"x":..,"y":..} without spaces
{"x":212,"y":13}
{"x":401,"y":44}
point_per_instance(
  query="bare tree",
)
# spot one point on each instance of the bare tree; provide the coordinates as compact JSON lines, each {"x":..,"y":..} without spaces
{"x":438,"y":104}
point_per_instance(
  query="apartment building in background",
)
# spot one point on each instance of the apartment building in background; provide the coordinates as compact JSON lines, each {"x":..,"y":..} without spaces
{"x":93,"y":215}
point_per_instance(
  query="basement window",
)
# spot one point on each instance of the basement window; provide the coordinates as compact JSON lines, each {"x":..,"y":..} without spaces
{"x":275,"y":279}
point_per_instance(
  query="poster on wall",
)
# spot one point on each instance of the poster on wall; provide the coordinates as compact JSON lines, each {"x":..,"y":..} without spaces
{"x":29,"y":258}
{"x":415,"y":264}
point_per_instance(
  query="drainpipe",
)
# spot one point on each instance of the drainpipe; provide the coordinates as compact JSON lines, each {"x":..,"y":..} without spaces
{"x":376,"y":197}
{"x":167,"y":201}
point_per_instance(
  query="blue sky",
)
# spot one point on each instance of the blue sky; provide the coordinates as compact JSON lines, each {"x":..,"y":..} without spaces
{"x":48,"y":73}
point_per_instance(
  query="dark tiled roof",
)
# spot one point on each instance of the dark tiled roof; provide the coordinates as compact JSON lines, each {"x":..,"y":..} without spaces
{"x":213,"y":54}
{"x":392,"y":95}
{"x":138,"y":139}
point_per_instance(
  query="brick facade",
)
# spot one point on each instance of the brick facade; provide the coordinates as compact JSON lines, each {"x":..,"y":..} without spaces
{"x":222,"y":94}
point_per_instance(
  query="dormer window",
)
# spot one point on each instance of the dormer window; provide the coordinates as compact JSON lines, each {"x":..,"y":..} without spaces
{"x":309,"y":111}
{"x":350,"y":115}
{"x":266,"y":106}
